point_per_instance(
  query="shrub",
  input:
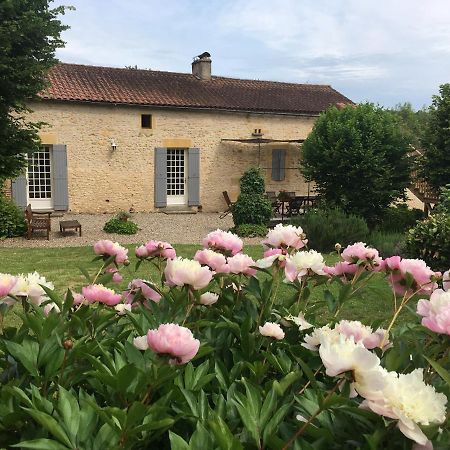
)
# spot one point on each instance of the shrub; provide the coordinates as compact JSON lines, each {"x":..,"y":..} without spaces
{"x":387,"y":243}
{"x":400,"y":218}
{"x":252,"y":207}
{"x":197,"y":359}
{"x":430,"y":241}
{"x":326,"y":227}
{"x":443,"y":205}
{"x":357,"y":157}
{"x":250,"y":230}
{"x":119,"y":226}
{"x":12,"y":219}
{"x":252,"y":182}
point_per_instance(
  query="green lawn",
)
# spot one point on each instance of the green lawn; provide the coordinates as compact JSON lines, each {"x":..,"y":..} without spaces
{"x":61,"y":266}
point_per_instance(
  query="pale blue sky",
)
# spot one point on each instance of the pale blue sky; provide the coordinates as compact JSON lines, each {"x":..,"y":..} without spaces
{"x":377,"y":50}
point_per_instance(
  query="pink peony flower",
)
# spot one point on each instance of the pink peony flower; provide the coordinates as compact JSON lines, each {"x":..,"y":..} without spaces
{"x":421,"y":274}
{"x":241,"y":263}
{"x":51,"y":307}
{"x":101,"y":294}
{"x":107,"y":248}
{"x":223,"y":241}
{"x":141,"y":251}
{"x":7,"y":282}
{"x":436,"y":312}
{"x":78,"y":299}
{"x":341,"y":269}
{"x":156,"y":249}
{"x":360,"y":252}
{"x":141,"y":286}
{"x":208,"y":298}
{"x":215,"y":260}
{"x":285,"y":236}
{"x":362,"y":333}
{"x":117,"y":278}
{"x":175,"y":341}
{"x":180,"y":272}
{"x":273,"y":330}
{"x":274,"y":251}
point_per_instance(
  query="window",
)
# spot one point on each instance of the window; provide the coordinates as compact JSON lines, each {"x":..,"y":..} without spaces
{"x":146,"y":120}
{"x":278,"y":165}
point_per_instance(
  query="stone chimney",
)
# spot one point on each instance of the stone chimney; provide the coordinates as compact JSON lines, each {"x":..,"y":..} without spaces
{"x":201,"y":66}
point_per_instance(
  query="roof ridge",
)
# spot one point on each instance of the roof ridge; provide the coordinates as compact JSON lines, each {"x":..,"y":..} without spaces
{"x":187,"y":74}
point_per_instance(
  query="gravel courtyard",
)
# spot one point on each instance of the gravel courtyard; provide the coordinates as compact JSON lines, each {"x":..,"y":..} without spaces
{"x":173,"y":228}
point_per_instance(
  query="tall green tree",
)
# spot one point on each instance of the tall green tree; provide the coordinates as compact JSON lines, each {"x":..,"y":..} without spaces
{"x":412,"y":123}
{"x":357,"y":157}
{"x":436,"y":161}
{"x":30,"y":32}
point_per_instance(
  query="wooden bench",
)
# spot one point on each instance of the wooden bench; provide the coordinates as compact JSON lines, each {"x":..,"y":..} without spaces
{"x":70,"y":225}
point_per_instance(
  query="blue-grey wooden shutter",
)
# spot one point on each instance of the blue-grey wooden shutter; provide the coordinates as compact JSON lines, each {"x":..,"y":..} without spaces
{"x":19,"y":191}
{"x":60,"y":183}
{"x":161,"y":177}
{"x":194,"y":177}
{"x":278,"y":165}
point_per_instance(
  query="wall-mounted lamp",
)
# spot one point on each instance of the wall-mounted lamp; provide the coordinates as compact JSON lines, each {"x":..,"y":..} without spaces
{"x":113,"y":144}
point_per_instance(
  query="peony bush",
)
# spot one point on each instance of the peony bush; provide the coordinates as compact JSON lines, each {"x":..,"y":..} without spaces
{"x":209,"y":355}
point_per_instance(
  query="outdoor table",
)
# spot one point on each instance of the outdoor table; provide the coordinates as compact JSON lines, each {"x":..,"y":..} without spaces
{"x":70,"y":225}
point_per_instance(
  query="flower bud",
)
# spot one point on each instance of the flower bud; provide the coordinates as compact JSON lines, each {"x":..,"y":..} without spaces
{"x":337,"y":247}
{"x":126,"y":262}
{"x":68,"y":344}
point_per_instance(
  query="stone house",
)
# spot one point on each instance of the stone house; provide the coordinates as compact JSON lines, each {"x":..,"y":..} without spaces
{"x":140,"y":140}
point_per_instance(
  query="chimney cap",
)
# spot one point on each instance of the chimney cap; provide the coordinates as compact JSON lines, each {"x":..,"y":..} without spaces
{"x":203,"y":55}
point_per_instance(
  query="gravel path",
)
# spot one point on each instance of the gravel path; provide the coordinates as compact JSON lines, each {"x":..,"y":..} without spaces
{"x":173,"y":228}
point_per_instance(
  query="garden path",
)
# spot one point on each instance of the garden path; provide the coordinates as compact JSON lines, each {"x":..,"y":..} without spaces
{"x":173,"y":228}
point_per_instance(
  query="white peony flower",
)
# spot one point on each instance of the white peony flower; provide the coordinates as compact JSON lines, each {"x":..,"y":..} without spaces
{"x":141,"y":342}
{"x":446,"y":280}
{"x":122,"y":308}
{"x":349,"y":329}
{"x":208,"y":298}
{"x":272,"y":329}
{"x":299,"y":321}
{"x":407,"y":398}
{"x":29,"y":286}
{"x":301,"y":263}
{"x":312,"y":341}
{"x":265,"y":263}
{"x":345,"y":355}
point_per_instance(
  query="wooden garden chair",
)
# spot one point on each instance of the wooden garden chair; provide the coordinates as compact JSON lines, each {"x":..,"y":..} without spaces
{"x":37,"y":221}
{"x":229,"y":203}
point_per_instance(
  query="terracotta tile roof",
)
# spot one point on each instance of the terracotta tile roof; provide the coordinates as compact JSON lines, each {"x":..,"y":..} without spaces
{"x":74,"y":82}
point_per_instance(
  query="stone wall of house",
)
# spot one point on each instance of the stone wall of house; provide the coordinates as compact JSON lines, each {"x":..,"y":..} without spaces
{"x":106,"y":180}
